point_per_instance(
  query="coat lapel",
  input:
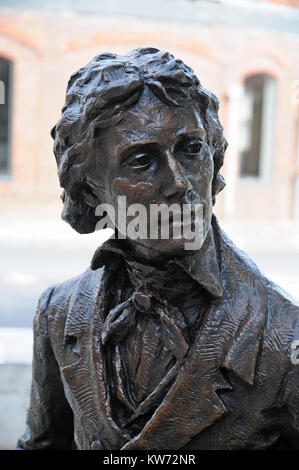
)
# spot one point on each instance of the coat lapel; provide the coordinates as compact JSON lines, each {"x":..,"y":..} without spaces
{"x":86,"y":376}
{"x":192,"y":403}
{"x":229,"y":338}
{"x":246,"y":283}
{"x":77,"y":375}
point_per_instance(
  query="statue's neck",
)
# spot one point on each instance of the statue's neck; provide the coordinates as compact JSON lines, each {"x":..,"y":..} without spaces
{"x":148,"y":256}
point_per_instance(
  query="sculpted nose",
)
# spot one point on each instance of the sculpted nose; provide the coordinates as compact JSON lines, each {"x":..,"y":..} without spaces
{"x":178,"y":182}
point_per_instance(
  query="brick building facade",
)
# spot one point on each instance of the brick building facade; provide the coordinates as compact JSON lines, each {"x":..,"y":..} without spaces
{"x":248,"y":56}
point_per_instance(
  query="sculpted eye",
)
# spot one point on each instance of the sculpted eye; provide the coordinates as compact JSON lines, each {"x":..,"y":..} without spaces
{"x":141,"y":161}
{"x":192,"y":148}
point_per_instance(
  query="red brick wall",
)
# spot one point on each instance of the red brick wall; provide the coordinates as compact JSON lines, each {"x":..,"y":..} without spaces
{"x":292,"y":3}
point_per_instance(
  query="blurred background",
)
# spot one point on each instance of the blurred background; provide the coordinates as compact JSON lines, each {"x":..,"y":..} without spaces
{"x":246,"y":52}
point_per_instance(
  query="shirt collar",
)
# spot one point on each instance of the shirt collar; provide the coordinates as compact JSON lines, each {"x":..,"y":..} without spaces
{"x":203,"y":265}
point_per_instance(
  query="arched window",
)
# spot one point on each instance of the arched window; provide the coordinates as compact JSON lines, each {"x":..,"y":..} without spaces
{"x":257,"y":130}
{"x":5,"y":114}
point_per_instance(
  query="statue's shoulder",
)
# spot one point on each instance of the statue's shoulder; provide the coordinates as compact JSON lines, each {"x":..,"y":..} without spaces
{"x":57,"y":301}
{"x":280,"y":348}
{"x":280,"y":310}
{"x":238,"y":266}
{"x":79,"y":285}
{"x":282,"y":328}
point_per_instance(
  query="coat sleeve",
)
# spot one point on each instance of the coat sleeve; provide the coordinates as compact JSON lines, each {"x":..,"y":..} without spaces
{"x":290,"y":400}
{"x":49,"y":418}
{"x":291,"y":405}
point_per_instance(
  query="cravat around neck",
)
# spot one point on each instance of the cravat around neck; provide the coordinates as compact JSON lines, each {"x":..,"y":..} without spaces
{"x":122,"y":319}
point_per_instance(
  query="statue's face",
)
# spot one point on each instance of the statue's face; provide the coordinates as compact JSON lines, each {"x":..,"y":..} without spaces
{"x":158,"y":154}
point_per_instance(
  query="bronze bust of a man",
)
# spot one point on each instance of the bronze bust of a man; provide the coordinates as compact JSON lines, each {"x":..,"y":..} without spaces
{"x":155,"y":346}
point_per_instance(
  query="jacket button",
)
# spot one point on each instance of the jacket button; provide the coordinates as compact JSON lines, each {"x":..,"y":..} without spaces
{"x":97,"y":445}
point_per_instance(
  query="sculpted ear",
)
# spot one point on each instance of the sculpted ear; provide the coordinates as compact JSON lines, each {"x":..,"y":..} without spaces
{"x":93,"y":191}
{"x":89,"y":197}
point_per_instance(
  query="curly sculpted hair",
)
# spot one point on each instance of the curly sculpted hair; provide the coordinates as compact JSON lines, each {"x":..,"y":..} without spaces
{"x":98,"y":96}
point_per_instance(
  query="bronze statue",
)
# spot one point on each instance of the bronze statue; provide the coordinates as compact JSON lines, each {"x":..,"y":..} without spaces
{"x":155,"y":346}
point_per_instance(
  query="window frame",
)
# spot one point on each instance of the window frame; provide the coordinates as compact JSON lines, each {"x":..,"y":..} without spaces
{"x":266,"y":158}
{"x":8,"y":174}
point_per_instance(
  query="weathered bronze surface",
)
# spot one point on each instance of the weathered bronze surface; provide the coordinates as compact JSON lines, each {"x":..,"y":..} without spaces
{"x":156,"y":347}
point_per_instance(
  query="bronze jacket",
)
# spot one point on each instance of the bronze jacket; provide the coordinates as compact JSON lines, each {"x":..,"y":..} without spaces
{"x":237,"y":388}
